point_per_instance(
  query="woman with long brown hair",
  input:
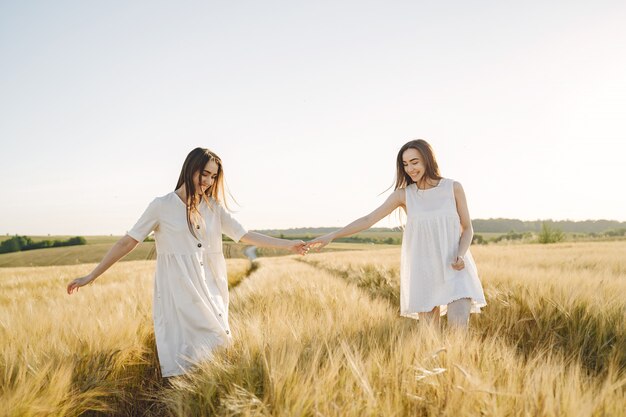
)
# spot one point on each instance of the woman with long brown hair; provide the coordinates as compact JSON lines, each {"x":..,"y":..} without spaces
{"x":190,"y":308}
{"x":437,"y":272}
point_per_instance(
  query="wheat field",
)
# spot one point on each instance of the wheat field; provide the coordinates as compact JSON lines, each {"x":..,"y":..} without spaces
{"x":321,"y":336}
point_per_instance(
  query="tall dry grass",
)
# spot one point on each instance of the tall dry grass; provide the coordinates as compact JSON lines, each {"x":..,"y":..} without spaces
{"x":321,"y":336}
{"x":95,"y":350}
{"x":568,"y":296}
{"x":313,"y":341}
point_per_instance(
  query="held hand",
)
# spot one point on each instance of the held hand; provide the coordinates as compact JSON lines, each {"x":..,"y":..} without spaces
{"x":459,"y":263}
{"x":319,"y":243}
{"x":73,"y":286}
{"x":299,"y":247}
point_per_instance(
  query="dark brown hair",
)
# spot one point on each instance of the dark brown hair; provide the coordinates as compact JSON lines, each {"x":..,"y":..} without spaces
{"x":195,"y":163}
{"x":428,"y":157}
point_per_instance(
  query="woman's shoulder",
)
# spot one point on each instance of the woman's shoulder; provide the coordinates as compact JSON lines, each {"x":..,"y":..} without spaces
{"x":400,"y":192}
{"x":399,"y":195}
{"x":217,"y":206}
{"x":456,"y":186}
{"x":454,"y":183}
{"x":450,"y":182}
{"x":170,"y":198}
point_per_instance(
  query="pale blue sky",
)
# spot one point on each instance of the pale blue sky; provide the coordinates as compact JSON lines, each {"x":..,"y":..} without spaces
{"x":307,"y":103}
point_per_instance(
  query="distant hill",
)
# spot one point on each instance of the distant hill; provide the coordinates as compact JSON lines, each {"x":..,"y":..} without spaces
{"x":481,"y":226}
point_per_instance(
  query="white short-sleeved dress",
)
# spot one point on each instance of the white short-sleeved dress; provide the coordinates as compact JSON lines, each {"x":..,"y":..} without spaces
{"x":429,"y":247}
{"x":190,"y":308}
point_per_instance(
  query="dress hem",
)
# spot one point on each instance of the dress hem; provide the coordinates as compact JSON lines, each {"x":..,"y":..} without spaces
{"x":169,"y":374}
{"x":474,"y":309}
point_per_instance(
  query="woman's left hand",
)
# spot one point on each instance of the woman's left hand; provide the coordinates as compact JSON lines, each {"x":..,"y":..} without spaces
{"x":458,"y":264}
{"x":73,"y":286}
{"x":299,"y":247}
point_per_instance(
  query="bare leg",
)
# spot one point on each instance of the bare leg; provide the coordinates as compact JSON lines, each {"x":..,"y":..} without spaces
{"x":432,"y":317}
{"x":459,"y":312}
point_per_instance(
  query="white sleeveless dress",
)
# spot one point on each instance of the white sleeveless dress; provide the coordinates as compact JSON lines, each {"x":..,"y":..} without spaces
{"x":429,"y":247}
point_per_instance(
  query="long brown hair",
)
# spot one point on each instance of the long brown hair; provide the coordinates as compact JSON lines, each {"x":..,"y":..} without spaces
{"x":195,"y":163}
{"x":428,"y":156}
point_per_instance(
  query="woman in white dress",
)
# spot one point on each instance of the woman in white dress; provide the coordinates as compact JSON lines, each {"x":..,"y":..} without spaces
{"x":437,"y":272}
{"x":190,"y":307}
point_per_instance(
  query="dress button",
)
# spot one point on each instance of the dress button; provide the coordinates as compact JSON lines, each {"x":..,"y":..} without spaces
{"x":198,"y":227}
{"x":220,"y":314}
{"x":227,"y":332}
{"x":199,"y":245}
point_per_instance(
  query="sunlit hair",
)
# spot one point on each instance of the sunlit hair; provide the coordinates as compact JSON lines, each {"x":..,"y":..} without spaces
{"x":195,"y":163}
{"x":428,"y":158}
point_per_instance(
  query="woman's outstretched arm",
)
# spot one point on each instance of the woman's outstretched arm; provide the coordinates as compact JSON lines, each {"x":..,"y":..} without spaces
{"x":395,"y":200}
{"x":120,"y":249}
{"x":259,"y":239}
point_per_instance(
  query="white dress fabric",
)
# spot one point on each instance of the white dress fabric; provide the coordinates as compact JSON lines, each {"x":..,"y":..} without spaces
{"x":429,"y":247}
{"x":190,"y":308}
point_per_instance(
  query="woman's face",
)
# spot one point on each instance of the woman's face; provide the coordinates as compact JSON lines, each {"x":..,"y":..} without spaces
{"x":205,"y":178}
{"x":414,"y":164}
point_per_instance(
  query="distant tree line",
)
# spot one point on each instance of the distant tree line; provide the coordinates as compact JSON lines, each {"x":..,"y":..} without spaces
{"x":547,"y":234}
{"x":378,"y":240}
{"x":567,"y":226}
{"x":349,"y":239}
{"x":612,"y":233}
{"x":22,"y":243}
{"x":311,"y":232}
{"x":512,"y":235}
{"x":542,"y":231}
{"x":499,"y":225}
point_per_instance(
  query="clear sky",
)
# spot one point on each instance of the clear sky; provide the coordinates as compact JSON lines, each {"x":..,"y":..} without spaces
{"x":307,"y":103}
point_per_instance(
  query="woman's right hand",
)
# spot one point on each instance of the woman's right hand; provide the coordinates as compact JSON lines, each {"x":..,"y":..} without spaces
{"x":298,"y":246}
{"x":73,"y":286}
{"x":320,"y":242}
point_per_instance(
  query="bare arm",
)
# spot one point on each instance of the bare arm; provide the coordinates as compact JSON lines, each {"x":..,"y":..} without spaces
{"x":395,"y":200}
{"x":259,"y":239}
{"x":467,"y":231}
{"x":120,"y":249}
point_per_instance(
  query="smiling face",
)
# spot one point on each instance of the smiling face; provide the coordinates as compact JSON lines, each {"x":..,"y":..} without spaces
{"x":414,"y":164}
{"x":204,"y":179}
{"x":201,"y":178}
